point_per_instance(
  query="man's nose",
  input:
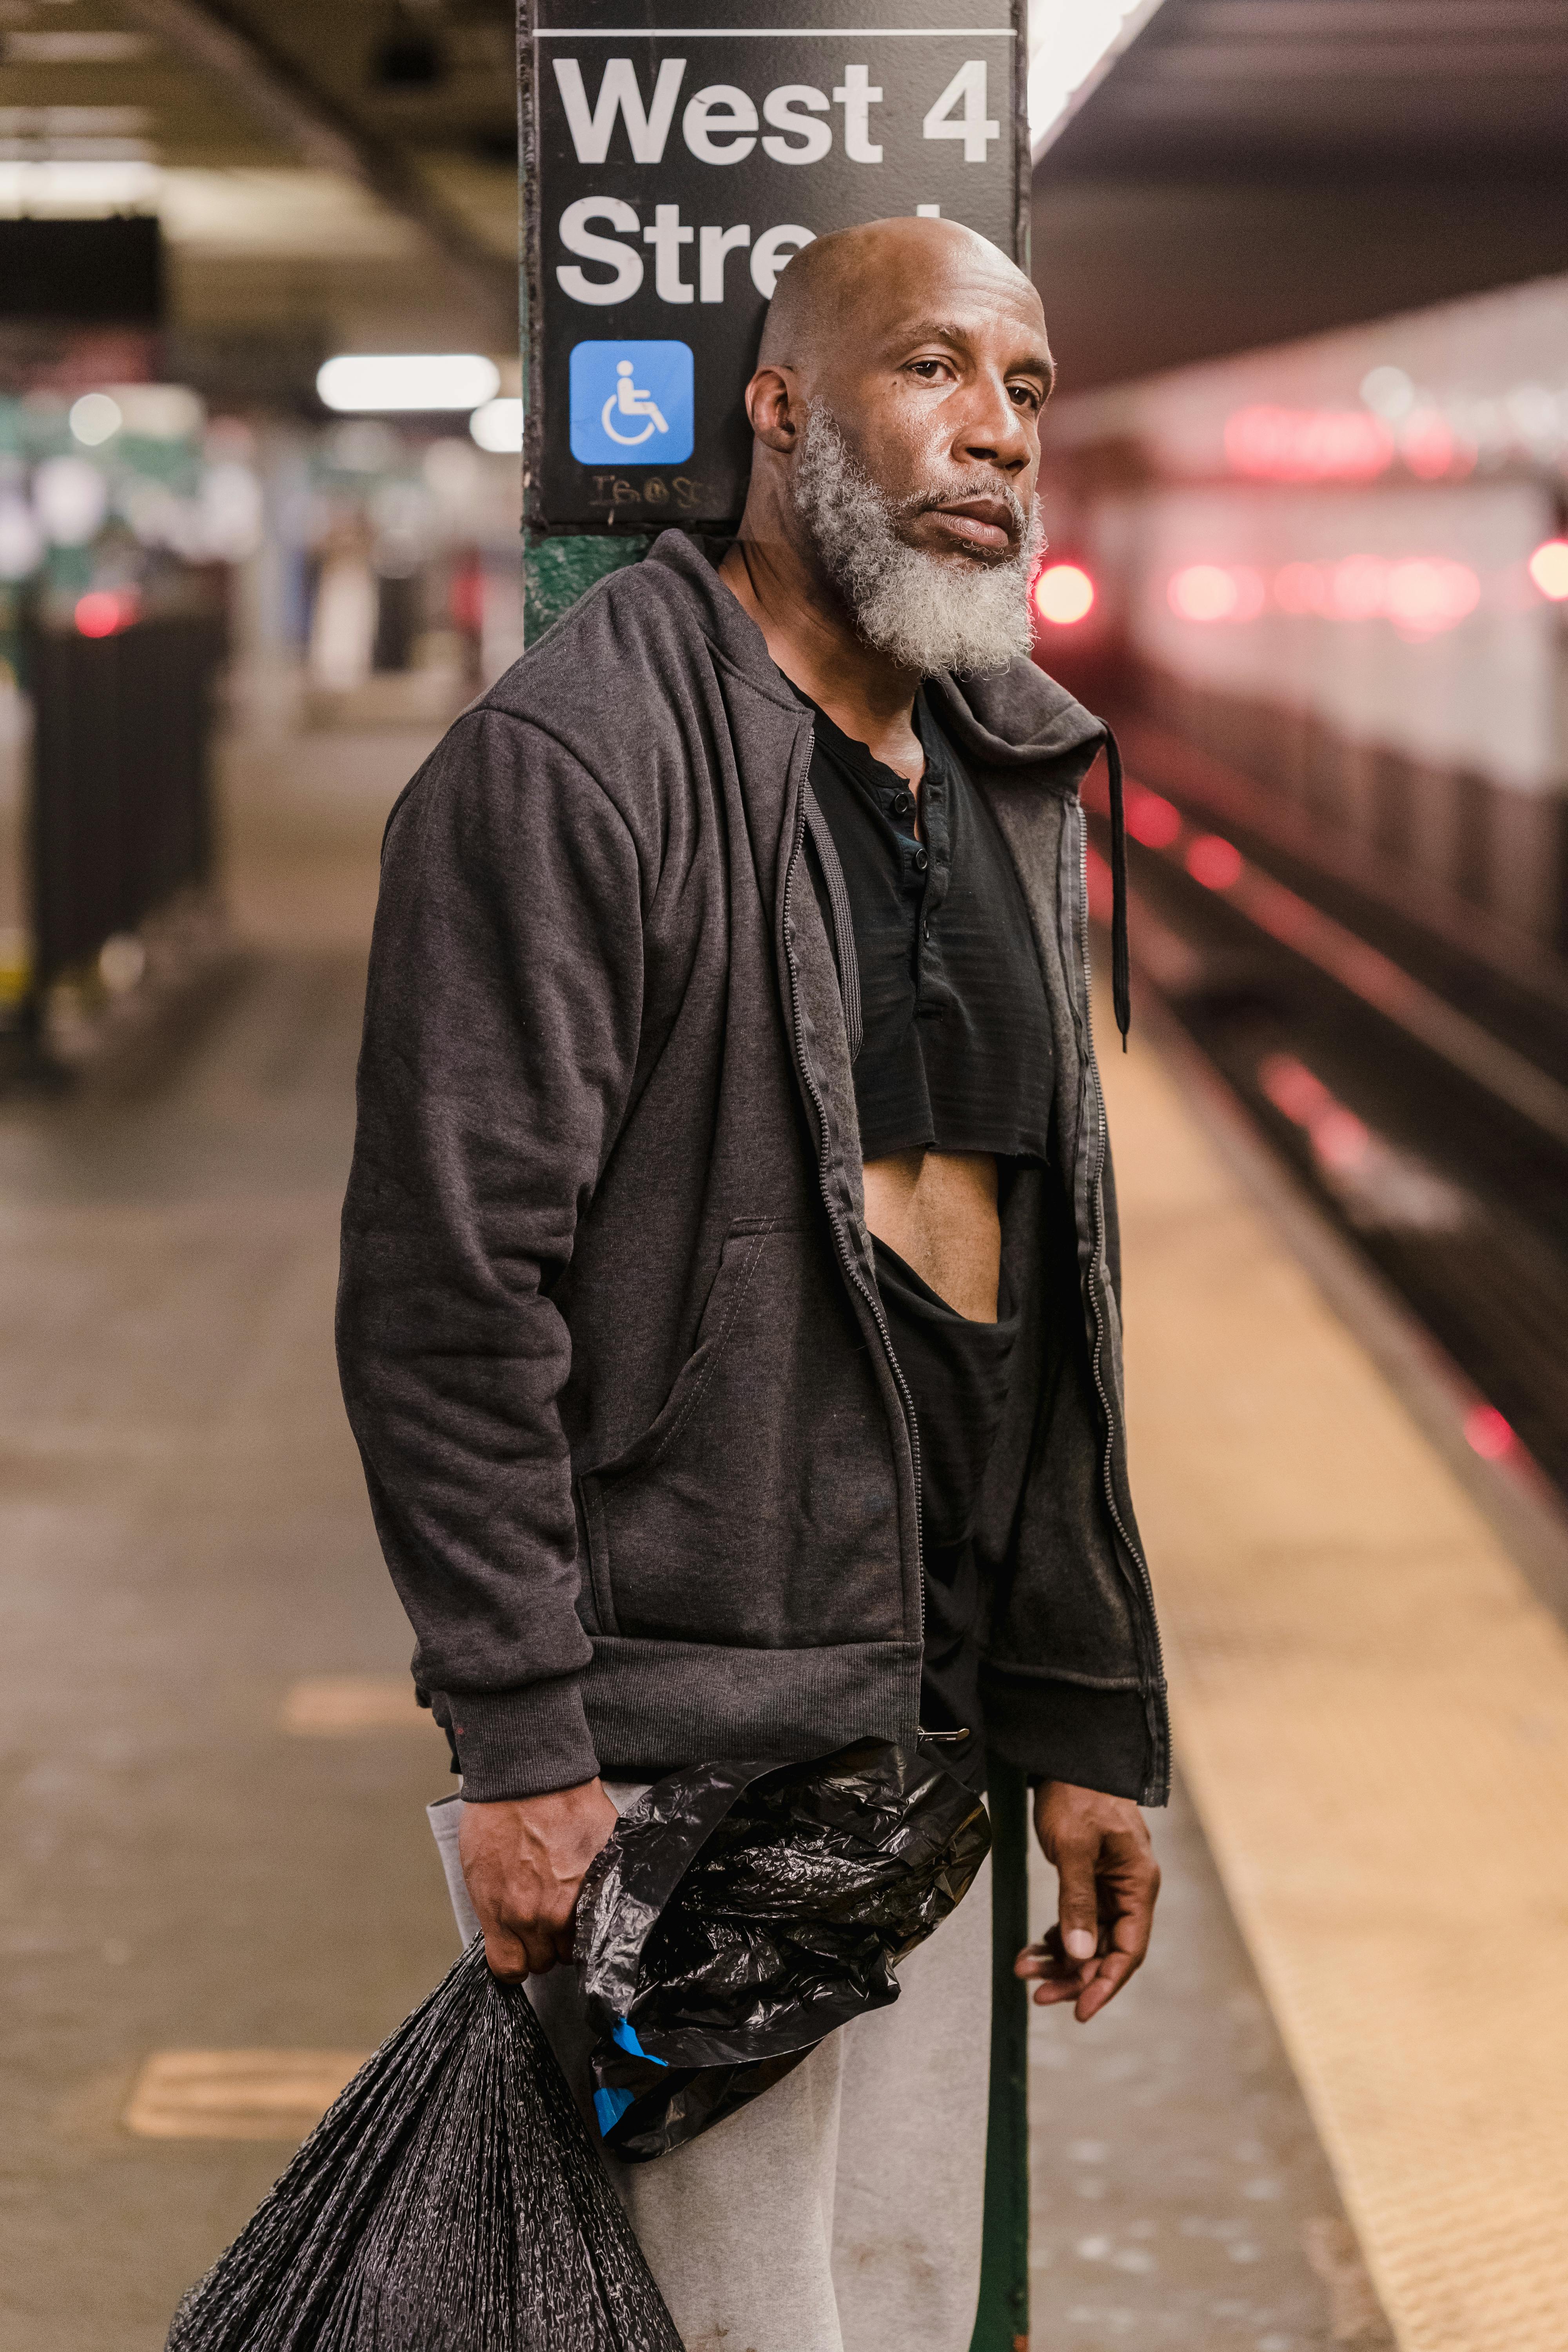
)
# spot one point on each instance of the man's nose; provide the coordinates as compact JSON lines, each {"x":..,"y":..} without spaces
{"x":995,"y":430}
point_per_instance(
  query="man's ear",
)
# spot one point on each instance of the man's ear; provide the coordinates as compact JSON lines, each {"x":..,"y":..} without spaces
{"x":773,"y":403}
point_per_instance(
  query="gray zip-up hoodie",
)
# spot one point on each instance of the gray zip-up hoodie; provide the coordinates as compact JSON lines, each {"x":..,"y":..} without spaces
{"x":640,"y":1460}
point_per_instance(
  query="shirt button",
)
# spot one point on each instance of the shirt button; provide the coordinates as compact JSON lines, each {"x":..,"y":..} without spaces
{"x":921,"y":861}
{"x":902,"y":802}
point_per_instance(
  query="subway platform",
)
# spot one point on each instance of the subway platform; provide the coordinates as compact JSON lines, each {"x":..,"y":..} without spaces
{"x":1330,"y":2113}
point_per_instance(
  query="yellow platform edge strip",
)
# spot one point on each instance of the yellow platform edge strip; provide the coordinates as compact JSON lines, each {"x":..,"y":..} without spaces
{"x":1372,"y":1712}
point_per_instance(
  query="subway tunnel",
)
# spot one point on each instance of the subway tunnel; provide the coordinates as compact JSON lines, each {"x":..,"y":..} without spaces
{"x":1305,"y":487}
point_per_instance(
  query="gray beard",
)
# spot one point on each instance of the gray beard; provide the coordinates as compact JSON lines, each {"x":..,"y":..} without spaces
{"x":926,"y":613}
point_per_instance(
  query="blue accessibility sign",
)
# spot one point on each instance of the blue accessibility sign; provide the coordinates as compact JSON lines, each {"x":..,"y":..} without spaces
{"x":633,"y":404}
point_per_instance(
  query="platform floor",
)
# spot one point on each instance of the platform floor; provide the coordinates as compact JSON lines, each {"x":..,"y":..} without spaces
{"x":1371,"y":1709}
{"x":213,"y":1840}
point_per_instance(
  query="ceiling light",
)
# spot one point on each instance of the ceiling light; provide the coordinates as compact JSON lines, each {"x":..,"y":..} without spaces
{"x":408,"y":380}
{"x":47,"y":189}
{"x":497,"y":426}
{"x":94,"y":418}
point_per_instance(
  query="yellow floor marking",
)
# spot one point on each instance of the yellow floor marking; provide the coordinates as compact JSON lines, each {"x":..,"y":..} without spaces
{"x":237,"y":2094}
{"x":335,"y":1707}
{"x":1372,"y":1712}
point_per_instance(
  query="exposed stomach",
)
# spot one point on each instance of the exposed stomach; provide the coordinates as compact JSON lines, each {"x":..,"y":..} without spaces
{"x":938,"y":1210}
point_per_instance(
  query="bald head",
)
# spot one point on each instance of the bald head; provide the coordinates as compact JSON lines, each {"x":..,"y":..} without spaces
{"x":871,"y":276}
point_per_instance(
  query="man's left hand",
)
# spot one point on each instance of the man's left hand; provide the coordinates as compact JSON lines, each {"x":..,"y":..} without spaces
{"x":1107,"y":1880}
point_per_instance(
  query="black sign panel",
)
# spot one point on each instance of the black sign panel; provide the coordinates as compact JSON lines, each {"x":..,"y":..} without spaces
{"x":675,"y":156}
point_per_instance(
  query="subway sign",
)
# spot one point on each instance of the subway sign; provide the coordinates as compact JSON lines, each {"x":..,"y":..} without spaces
{"x":669,"y":171}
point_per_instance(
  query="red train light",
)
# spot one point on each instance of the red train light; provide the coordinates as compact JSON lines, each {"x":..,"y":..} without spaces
{"x":1214,"y":861}
{"x":1487,"y":1432}
{"x":99,"y":614}
{"x":1064,"y":594}
{"x":1549,"y":568}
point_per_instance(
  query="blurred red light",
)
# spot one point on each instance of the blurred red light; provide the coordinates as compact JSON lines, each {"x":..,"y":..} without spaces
{"x":1549,"y":568}
{"x":1150,"y":819}
{"x":1308,"y":445}
{"x":1427,"y":446}
{"x":1421,"y":594}
{"x":466,"y":598}
{"x":1204,"y":591}
{"x":1064,"y":594}
{"x":97,"y":614}
{"x":1213,"y":862}
{"x":1487,"y":1433}
{"x":1299,"y":588}
{"x":1425,"y":594}
{"x":1340,"y":1139}
{"x":1291,"y":1087}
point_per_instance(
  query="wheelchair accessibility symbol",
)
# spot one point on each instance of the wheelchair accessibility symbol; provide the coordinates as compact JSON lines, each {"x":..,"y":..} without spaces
{"x":632,"y":402}
{"x":628,"y":401}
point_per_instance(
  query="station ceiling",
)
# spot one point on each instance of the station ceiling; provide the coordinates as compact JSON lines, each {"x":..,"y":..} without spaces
{"x":1252,"y":170}
{"x":330,"y":174}
{"x":341,"y":173}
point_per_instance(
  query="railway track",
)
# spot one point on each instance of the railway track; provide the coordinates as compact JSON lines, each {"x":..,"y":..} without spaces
{"x":1416,"y":1079}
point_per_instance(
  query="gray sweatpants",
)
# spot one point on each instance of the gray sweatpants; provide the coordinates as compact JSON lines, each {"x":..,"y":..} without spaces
{"x":841,"y":2212}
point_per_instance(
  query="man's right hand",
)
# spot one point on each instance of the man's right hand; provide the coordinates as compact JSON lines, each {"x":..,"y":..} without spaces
{"x":524,"y":1858}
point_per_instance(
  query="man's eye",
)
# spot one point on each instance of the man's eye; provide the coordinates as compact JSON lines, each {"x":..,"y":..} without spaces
{"x":1026,"y":395}
{"x":927,"y":367}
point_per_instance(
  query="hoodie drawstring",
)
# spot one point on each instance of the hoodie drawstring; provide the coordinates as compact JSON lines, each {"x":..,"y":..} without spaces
{"x":1120,"y":985}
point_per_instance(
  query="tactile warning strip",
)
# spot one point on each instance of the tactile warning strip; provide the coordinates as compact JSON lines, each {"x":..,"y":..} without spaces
{"x":1372,"y":1710}
{"x":237,"y":2094}
{"x":337,"y":1707}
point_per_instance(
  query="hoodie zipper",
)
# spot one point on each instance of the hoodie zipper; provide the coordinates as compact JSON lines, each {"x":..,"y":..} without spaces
{"x":851,"y":1271}
{"x":1097,"y":1195}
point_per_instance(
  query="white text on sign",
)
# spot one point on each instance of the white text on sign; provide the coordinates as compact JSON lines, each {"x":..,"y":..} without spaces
{"x":721,"y":125}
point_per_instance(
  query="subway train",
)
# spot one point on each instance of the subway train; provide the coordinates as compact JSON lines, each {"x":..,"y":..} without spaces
{"x":1321,"y":590}
{"x":1339,"y":567}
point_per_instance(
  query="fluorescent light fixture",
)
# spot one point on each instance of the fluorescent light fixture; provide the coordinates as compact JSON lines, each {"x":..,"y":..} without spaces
{"x":497,"y":426}
{"x":50,"y":189}
{"x":408,"y":380}
{"x":1073,"y":44}
{"x":76,"y":48}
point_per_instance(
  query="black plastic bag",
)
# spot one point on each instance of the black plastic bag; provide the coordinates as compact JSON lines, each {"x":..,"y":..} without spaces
{"x":451,"y":2200}
{"x":743,"y":1911}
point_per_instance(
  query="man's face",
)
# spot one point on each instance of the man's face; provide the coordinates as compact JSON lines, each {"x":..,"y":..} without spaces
{"x":912,"y":478}
{"x":938,"y":388}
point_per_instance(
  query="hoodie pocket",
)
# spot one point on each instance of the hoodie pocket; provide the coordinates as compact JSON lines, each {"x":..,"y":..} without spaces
{"x":748,"y":1510}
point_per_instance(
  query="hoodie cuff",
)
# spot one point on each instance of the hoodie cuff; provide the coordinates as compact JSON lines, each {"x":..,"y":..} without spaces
{"x":1068,"y":1732}
{"x":518,"y":1743}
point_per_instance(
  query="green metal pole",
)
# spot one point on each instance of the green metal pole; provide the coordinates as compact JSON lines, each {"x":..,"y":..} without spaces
{"x":1002,"y":2320}
{"x":556,"y":571}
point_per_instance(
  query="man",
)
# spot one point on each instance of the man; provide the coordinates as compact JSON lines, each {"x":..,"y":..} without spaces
{"x":730,"y":1153}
